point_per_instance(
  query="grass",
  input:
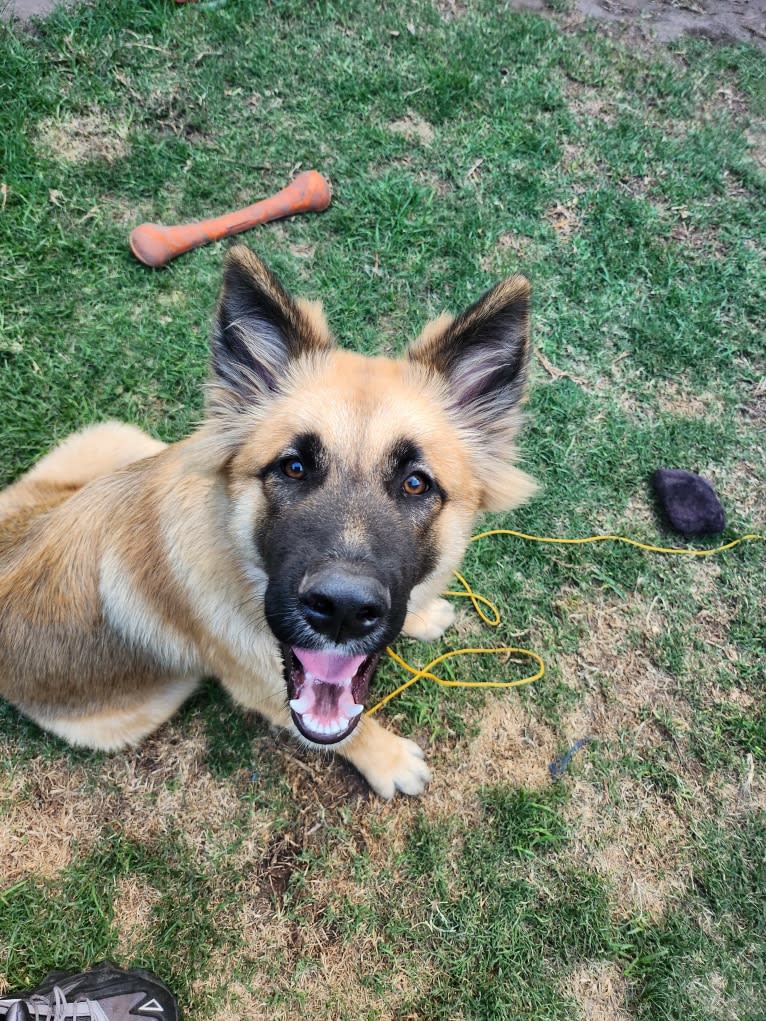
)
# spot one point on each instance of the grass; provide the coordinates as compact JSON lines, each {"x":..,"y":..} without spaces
{"x":628,"y":183}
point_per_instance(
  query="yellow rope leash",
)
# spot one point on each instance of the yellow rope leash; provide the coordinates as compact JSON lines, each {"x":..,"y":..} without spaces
{"x":480,"y":602}
{"x":749,"y":537}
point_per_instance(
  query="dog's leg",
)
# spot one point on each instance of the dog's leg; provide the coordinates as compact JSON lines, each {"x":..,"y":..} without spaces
{"x":387,"y":762}
{"x":110,"y":729}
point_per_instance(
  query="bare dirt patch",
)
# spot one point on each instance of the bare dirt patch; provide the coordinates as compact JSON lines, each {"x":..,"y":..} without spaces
{"x":80,"y":139}
{"x":414,"y":128}
{"x":649,"y":21}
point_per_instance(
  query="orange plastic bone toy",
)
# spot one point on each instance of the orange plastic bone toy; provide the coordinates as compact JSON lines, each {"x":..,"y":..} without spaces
{"x":155,"y":245}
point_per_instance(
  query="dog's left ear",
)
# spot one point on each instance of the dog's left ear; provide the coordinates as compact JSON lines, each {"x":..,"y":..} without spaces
{"x":258,"y":329}
{"x":483,"y":355}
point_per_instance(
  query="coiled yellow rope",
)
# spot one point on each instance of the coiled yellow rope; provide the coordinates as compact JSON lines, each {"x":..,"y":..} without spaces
{"x":493,"y":618}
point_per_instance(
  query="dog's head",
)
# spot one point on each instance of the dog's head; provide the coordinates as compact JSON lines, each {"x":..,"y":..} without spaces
{"x":355,"y":480}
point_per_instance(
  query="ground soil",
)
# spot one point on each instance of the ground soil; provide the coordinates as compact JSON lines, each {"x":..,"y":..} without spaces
{"x":723,"y":21}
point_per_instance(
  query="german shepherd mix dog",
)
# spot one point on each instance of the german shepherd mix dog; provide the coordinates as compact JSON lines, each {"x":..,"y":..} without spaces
{"x":317,"y":513}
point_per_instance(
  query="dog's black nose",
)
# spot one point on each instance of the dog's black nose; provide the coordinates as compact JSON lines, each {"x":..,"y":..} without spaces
{"x":341,"y":603}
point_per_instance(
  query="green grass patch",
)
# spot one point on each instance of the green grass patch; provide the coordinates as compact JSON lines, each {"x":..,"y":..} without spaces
{"x":629,"y":186}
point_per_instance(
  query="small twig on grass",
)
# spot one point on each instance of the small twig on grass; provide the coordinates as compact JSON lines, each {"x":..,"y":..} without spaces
{"x":473,"y":168}
{"x":555,"y":373}
{"x":303,"y":765}
{"x":745,"y":788}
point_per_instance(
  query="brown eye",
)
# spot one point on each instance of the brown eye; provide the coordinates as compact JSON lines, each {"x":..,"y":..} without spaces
{"x":416,"y":484}
{"x":293,"y":468}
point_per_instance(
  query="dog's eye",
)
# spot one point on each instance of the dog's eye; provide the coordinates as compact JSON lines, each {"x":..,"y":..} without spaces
{"x":416,"y":484}
{"x":293,"y":468}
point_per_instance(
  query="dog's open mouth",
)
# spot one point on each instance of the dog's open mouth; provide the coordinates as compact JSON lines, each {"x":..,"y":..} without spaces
{"x":326,"y":691}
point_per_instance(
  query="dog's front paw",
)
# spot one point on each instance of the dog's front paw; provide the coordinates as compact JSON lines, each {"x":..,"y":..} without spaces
{"x":387,"y":762}
{"x":405,"y":770}
{"x":429,"y":623}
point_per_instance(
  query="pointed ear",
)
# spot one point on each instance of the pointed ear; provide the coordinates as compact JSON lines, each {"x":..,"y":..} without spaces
{"x":258,"y":329}
{"x":483,"y":356}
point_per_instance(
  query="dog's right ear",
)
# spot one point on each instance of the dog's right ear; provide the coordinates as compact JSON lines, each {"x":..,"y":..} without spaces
{"x":258,"y":329}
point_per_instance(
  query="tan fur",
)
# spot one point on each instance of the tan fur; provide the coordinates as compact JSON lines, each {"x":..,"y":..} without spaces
{"x":128,"y":569}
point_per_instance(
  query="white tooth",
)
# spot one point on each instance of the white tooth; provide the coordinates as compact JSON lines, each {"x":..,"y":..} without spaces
{"x":300,"y":705}
{"x":353,"y":713}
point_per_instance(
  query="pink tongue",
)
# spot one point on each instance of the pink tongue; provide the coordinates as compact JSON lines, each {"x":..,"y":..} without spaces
{"x":328,"y":666}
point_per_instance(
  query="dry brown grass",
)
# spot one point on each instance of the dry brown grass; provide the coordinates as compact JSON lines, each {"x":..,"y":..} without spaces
{"x":676,"y":397}
{"x":41,"y":814}
{"x":451,"y":10}
{"x":93,"y":136}
{"x":318,"y":896}
{"x":642,"y":401}
{"x":712,"y":993}
{"x":49,"y":807}
{"x":599,"y":990}
{"x":619,"y":682}
{"x":133,"y":904}
{"x":511,"y":747}
{"x":742,"y":488}
{"x":635,"y":839}
{"x":509,"y":254}
{"x":588,"y":103}
{"x":564,"y":219}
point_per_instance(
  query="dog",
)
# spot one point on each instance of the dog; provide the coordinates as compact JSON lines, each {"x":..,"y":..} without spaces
{"x":316,"y":513}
